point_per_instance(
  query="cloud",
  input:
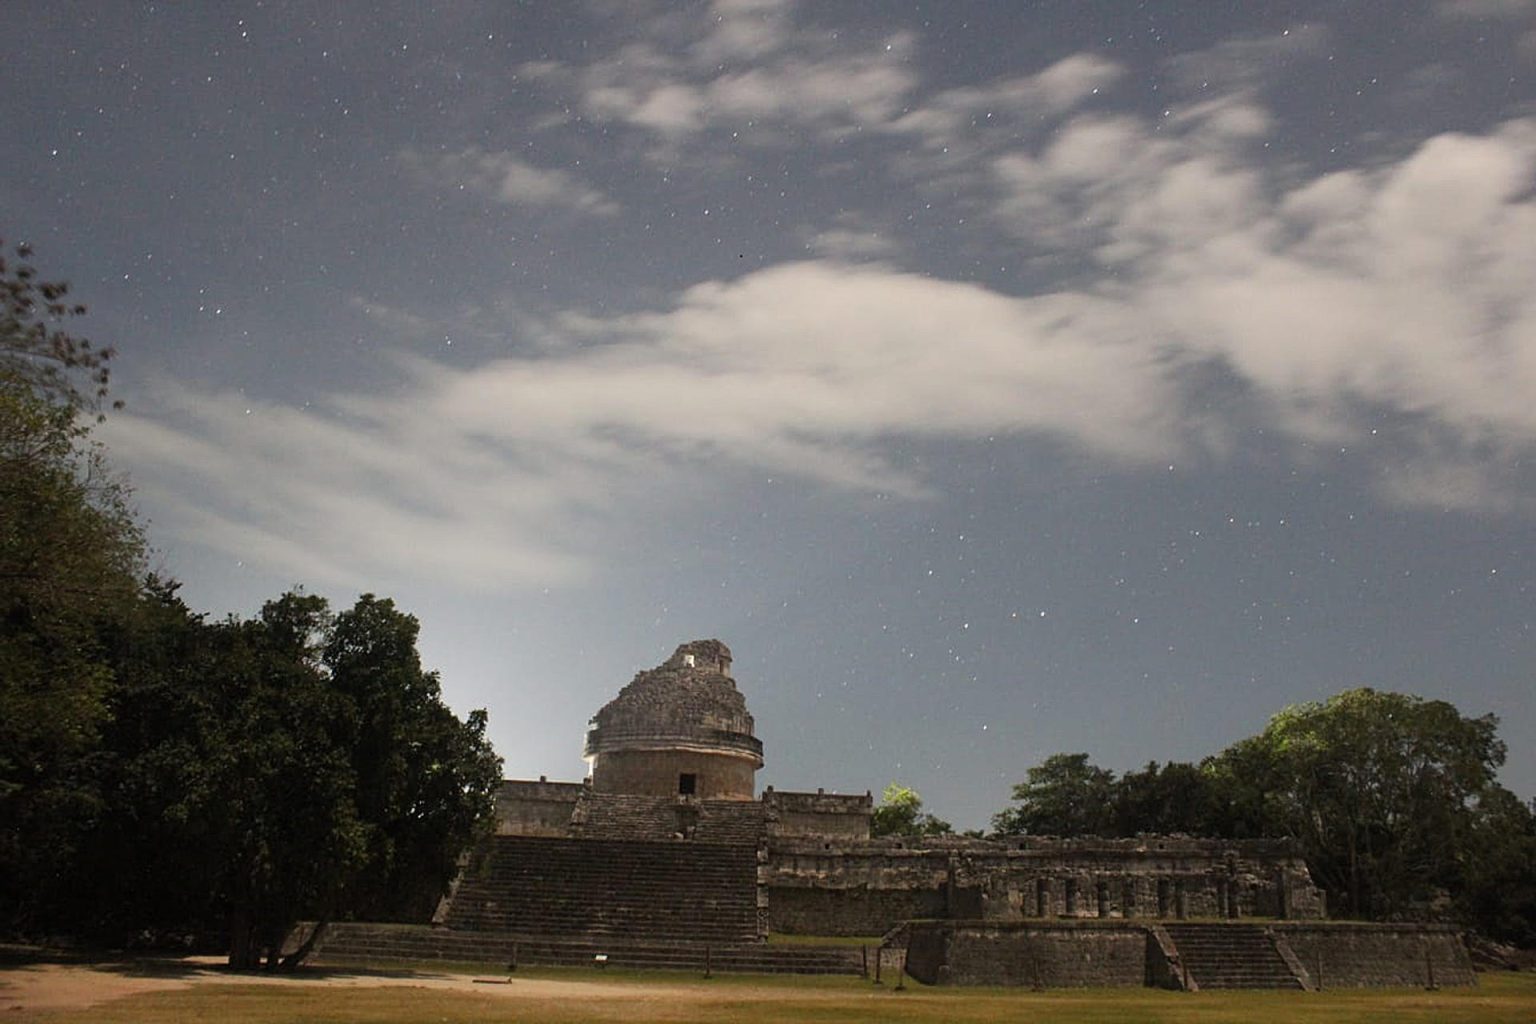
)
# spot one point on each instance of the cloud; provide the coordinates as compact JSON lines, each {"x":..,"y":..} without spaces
{"x":329,"y":496}
{"x":746,"y":29}
{"x":505,"y":178}
{"x":1400,"y":289}
{"x":851,"y":239}
{"x":1397,"y":294}
{"x":500,"y":475}
{"x":1250,"y":61}
{"x":747,"y":68}
{"x":949,"y":117}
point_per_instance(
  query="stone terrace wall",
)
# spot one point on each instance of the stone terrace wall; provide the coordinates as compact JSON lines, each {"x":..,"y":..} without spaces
{"x":808,"y":911}
{"x":821,"y":884}
{"x":821,"y":887}
{"x":823,"y":814}
{"x":660,"y":818}
{"x":543,"y":808}
{"x":1066,"y":954}
{"x":1360,"y":955}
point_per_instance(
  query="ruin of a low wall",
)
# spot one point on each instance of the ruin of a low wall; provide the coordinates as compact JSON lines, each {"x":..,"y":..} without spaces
{"x":1343,"y":954}
{"x":1063,"y":954}
{"x":835,"y":816}
{"x":1076,"y":954}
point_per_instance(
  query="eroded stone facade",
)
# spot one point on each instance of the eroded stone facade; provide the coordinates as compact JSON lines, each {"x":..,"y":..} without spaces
{"x":826,"y":885}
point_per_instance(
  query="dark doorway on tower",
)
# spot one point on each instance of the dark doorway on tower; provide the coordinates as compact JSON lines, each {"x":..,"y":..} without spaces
{"x":687,"y":784}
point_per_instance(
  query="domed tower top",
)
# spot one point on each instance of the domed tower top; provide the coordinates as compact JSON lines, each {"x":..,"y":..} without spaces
{"x":681,"y":728}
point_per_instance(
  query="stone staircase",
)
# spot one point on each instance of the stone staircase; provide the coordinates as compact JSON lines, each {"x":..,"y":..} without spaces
{"x":375,"y":943}
{"x":608,"y":890}
{"x":621,"y":816}
{"x":660,"y":818}
{"x":732,"y":821}
{"x":1230,"y":956}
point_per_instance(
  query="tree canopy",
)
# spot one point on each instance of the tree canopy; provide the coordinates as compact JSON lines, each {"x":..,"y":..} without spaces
{"x":161,"y":774}
{"x":900,"y":813}
{"x":37,"y":353}
{"x":1064,"y":795}
{"x":1381,"y":789}
{"x":71,"y":557}
{"x":297,"y":764}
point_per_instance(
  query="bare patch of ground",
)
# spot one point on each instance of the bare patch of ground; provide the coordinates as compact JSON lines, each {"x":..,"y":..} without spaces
{"x":69,"y":986}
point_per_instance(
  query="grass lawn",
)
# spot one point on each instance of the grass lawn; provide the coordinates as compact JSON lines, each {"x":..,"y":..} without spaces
{"x":573,"y":995}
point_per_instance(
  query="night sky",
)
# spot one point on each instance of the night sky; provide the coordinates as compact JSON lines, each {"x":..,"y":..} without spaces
{"x":996,"y":379}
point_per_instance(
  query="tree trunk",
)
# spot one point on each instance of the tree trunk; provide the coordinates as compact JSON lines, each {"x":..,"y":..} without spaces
{"x":243,"y":954}
{"x":1354,"y":877}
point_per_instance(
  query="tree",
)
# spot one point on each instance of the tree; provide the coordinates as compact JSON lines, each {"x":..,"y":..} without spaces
{"x":258,"y":772}
{"x":901,"y":814}
{"x":314,"y":765}
{"x":1249,"y":786}
{"x":133,"y":874}
{"x":1380,"y":789}
{"x":425,"y":780}
{"x":159,"y":773}
{"x":70,"y":557}
{"x":1064,"y":795}
{"x":282,"y":809}
{"x":37,"y":354}
{"x":1176,"y":797}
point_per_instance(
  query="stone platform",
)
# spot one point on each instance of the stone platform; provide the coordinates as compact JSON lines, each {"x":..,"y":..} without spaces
{"x":1187,"y":955}
{"x":383,"y":943}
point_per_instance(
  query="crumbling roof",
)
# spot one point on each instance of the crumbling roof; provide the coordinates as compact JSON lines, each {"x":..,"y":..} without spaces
{"x":692,"y":690}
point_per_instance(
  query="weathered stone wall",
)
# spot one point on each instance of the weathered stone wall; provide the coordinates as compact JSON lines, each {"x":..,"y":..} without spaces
{"x":1022,"y":879}
{"x":1341,"y":954}
{"x":860,"y":911}
{"x":821,"y":814}
{"x":542,"y":808}
{"x":1067,"y":954}
{"x":656,"y":773}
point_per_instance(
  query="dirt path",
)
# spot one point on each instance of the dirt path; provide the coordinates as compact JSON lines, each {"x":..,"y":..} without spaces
{"x":78,"y":986}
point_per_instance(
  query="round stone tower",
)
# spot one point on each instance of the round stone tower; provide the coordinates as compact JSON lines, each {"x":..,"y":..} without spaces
{"x":681,"y":728}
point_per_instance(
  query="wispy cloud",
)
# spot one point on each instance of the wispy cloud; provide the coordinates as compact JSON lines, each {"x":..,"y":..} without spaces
{"x":748,"y":68}
{"x":1250,"y":61}
{"x":967,"y":117}
{"x":850,"y":237}
{"x":1398,"y":291}
{"x":506,"y":178}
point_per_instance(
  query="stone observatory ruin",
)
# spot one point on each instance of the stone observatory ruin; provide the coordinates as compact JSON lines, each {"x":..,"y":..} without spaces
{"x":681,"y":729}
{"x":667,"y":855}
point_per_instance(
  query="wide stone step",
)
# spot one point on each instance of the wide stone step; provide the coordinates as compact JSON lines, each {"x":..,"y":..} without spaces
{"x":372,"y":942}
{"x":580,"y":887}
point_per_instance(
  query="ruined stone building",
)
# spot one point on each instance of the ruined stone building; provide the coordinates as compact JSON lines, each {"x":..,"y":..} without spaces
{"x":667,"y":845}
{"x":673,"y":759}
